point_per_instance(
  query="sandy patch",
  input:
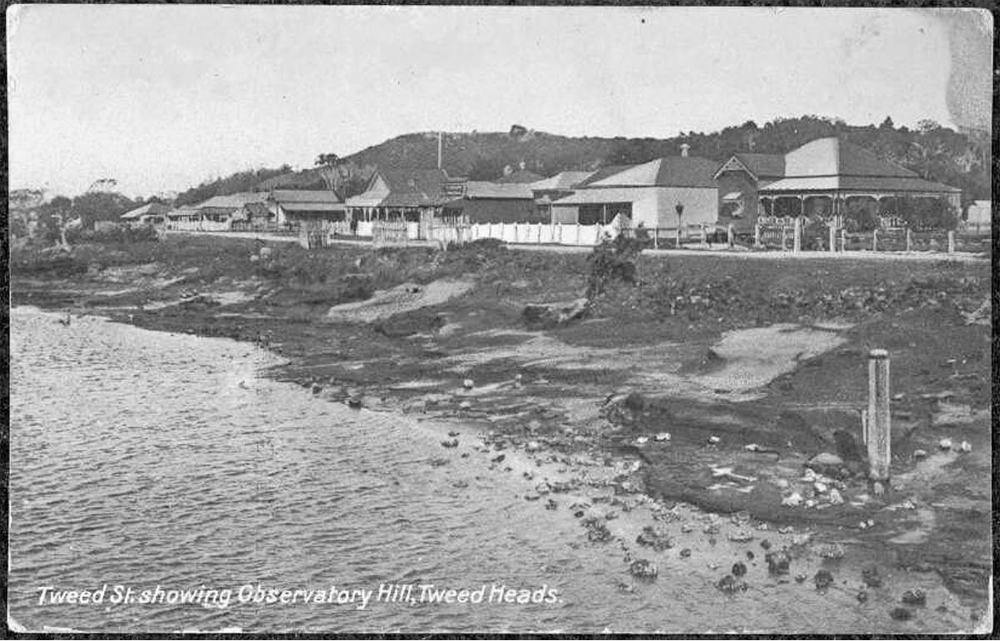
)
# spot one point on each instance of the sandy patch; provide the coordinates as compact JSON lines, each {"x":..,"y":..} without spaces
{"x":402,"y":298}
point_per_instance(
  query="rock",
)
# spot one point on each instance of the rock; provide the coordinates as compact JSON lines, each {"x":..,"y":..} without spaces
{"x":642,"y":440}
{"x":643,"y":569}
{"x":823,"y":579}
{"x":751,"y":447}
{"x":900,"y":614}
{"x":354,"y":402}
{"x":655,"y":537}
{"x":729,"y":584}
{"x":778,"y":562}
{"x":802,"y":539}
{"x":741,"y":536}
{"x":782,"y":484}
{"x":663,"y":436}
{"x":750,"y":555}
{"x":821,"y":488}
{"x":835,"y":497}
{"x":551,"y":504}
{"x":739,"y":569}
{"x":685,"y":553}
{"x":533,"y":446}
{"x":792,"y":500}
{"x":861,"y":596}
{"x":316,"y":388}
{"x":914,"y":597}
{"x":765,"y":544}
{"x":547,"y":315}
{"x":871,"y":576}
{"x":831,"y":551}
{"x":597,"y":531}
{"x":468,"y":383}
{"x":965,"y":446}
{"x":713,"y":440}
{"x":826,"y":463}
{"x":452,"y":443}
{"x":919,"y":454}
{"x":945,"y":444}
{"x":800,"y":578}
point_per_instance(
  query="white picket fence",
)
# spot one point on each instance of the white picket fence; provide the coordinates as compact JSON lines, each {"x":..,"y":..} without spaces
{"x":198,"y":225}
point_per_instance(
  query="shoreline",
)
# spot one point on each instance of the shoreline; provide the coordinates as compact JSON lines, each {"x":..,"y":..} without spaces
{"x":436,"y":392}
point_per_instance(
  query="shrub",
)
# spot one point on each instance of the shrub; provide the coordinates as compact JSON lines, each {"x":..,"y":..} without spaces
{"x":614,"y":260}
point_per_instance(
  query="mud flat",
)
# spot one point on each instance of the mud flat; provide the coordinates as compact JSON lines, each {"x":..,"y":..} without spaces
{"x":723,"y":396}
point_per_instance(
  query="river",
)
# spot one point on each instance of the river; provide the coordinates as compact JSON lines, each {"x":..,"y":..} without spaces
{"x":143,"y":460}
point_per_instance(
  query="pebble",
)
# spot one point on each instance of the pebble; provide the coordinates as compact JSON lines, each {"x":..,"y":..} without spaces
{"x":835,"y":497}
{"x":685,"y":553}
{"x":533,"y":446}
{"x":919,"y":453}
{"x":468,"y":383}
{"x":713,"y":439}
{"x":663,"y":436}
{"x":945,"y":444}
{"x":901,"y":614}
{"x":965,"y":447}
{"x":642,"y":440}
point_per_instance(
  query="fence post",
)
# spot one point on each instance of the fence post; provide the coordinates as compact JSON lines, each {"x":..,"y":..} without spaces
{"x":909,"y":240}
{"x":729,"y":234}
{"x":797,"y":239}
{"x":874,"y":240}
{"x":784,"y":242}
{"x":704,"y":234}
{"x":515,"y":233}
{"x":843,"y":240}
{"x":833,"y":237}
{"x":756,"y":235}
{"x":951,"y":242}
{"x":577,"y":233}
{"x":656,"y":237}
{"x":539,"y":241}
{"x":877,"y":425}
{"x":501,"y":233}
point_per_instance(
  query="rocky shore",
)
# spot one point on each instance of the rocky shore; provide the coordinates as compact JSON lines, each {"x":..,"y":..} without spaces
{"x":719,"y":397}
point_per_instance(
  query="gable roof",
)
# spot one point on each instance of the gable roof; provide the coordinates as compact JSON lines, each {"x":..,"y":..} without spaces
{"x":602,"y":173}
{"x":564,"y":180}
{"x":670,"y":171}
{"x":763,"y":165}
{"x":233,"y":201}
{"x":282,"y":196}
{"x":404,"y":188}
{"x":484,"y":189}
{"x":154,"y":209}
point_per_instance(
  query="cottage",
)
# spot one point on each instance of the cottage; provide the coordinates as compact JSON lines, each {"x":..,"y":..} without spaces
{"x":488,"y":202}
{"x":215,"y":214}
{"x":662,"y":193}
{"x":294,"y":206}
{"x":407,"y":194}
{"x":825,"y":177}
{"x":149,"y":214}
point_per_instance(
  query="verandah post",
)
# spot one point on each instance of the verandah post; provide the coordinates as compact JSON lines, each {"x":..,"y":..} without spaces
{"x":833,"y":237}
{"x":909,"y":240}
{"x":951,"y":242}
{"x":874,"y":240}
{"x":843,"y":240}
{"x":797,"y":239}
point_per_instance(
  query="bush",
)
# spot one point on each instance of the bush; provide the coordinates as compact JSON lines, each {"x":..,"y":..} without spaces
{"x":121,"y":234}
{"x":614,"y":260}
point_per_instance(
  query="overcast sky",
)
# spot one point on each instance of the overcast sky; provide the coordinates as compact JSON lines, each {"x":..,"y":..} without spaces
{"x":162,"y":97}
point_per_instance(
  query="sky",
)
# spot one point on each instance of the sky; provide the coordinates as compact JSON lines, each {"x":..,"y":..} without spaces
{"x":163,"y":97}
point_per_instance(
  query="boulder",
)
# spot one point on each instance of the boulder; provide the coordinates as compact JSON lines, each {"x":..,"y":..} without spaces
{"x":547,"y":315}
{"x":827,"y":464}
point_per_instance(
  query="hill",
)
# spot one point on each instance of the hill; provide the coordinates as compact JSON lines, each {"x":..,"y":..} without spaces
{"x":935,"y":152}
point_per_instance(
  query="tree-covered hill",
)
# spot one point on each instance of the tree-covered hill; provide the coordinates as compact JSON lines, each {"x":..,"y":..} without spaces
{"x":935,"y":152}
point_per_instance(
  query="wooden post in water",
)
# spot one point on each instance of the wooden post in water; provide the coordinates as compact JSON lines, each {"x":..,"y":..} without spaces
{"x":951,"y":242}
{"x":877,"y":425}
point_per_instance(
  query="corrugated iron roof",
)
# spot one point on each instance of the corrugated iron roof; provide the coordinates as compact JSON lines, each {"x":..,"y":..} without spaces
{"x":154,"y":209}
{"x":857,"y":183}
{"x":282,"y":196}
{"x":763,"y":165}
{"x":312,"y":207}
{"x":562,"y":180}
{"x":605,"y":195}
{"x":233,"y":201}
{"x":670,"y":171}
{"x":602,"y":173}
{"x":485,"y":189}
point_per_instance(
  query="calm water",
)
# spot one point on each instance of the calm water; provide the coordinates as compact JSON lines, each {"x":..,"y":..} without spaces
{"x":146,"y":459}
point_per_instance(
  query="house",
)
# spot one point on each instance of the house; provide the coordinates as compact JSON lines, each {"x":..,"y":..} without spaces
{"x":255,"y":215}
{"x":559,"y":186}
{"x":149,"y":214}
{"x":294,"y":206}
{"x":979,"y":214}
{"x":215,"y":214}
{"x":826,"y":177}
{"x":489,"y":202}
{"x":662,"y":193}
{"x":406,"y":194}
{"x":739,"y":179}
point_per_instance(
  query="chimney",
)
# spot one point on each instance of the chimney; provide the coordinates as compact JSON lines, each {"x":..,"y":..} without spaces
{"x":684,"y":149}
